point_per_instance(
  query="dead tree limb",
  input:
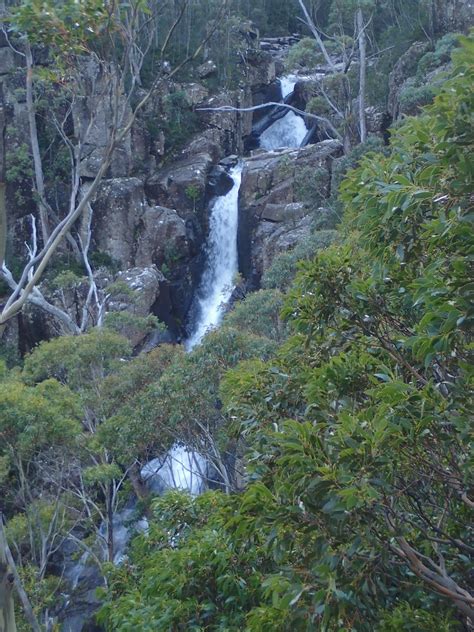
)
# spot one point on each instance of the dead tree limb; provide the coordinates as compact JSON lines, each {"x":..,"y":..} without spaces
{"x":312,"y":27}
{"x":320,"y":119}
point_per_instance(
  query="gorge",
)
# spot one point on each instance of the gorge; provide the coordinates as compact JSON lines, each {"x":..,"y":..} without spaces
{"x":235,"y":315}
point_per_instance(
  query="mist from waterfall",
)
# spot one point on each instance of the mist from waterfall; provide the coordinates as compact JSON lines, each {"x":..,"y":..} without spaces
{"x":288,"y":131}
{"x":222,"y":264}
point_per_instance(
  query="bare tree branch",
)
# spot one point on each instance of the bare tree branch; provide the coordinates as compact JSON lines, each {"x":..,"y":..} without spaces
{"x":312,"y":27}
{"x":320,"y":119}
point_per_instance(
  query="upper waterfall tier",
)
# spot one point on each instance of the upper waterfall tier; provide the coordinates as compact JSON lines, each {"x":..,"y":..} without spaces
{"x":288,"y":131}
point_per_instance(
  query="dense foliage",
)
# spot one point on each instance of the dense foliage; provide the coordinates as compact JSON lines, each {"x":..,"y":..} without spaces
{"x":357,"y":513}
{"x":332,"y":406}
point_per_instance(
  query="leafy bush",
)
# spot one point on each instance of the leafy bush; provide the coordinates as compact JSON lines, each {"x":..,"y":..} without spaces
{"x":283,"y":270}
{"x":413,"y":98}
{"x":100,"y":259}
{"x":304,"y":54}
{"x":441,"y":55}
{"x":259,"y":314}
{"x":342,"y":165}
{"x":312,"y":186}
{"x":318,"y":105}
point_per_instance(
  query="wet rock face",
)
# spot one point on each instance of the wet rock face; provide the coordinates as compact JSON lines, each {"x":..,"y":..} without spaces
{"x":275,"y":208}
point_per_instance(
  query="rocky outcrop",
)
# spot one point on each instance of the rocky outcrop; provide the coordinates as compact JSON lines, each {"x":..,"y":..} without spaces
{"x":271,"y":239}
{"x":403,"y":70}
{"x":260,"y":69}
{"x":140,"y":293}
{"x":181,"y":186}
{"x":118,"y":208}
{"x":277,"y":195}
{"x":452,"y":15}
{"x":228,"y":128}
{"x":161,"y":238}
{"x":92,"y":116}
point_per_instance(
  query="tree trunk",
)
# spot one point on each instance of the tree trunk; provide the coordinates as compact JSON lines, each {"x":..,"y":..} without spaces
{"x":362,"y":75}
{"x":7,"y":609}
{"x":138,"y":485}
{"x":9,"y":579}
{"x":312,"y":27}
{"x":3,"y":208}
{"x":110,"y":524}
{"x":35,"y":148}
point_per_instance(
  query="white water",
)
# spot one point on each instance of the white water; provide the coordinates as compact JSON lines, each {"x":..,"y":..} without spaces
{"x":222,"y":264}
{"x":288,"y":131}
{"x":181,"y":468}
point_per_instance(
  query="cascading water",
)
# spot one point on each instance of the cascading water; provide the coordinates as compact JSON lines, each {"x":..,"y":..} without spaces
{"x":288,"y":131}
{"x":181,"y":468}
{"x":222,"y":263}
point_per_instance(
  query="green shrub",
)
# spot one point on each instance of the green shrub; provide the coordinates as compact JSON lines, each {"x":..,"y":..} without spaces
{"x":441,"y":55}
{"x":259,"y":314}
{"x":405,"y":618}
{"x":342,"y":165}
{"x":312,"y":186}
{"x":413,"y":98}
{"x":100,"y":259}
{"x":284,"y":267}
{"x":318,"y":105}
{"x":304,"y":54}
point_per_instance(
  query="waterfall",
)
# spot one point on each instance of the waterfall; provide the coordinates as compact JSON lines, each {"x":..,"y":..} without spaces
{"x":181,"y":468}
{"x":288,"y":131}
{"x":218,"y":280}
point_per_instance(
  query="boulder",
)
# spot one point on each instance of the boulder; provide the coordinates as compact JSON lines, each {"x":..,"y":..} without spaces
{"x":219,"y":182}
{"x":141,"y":293}
{"x":269,"y":177}
{"x":284,"y":212}
{"x":207,"y":69}
{"x":161,"y":238}
{"x":260,"y":69}
{"x":181,"y":186}
{"x":272,"y":239}
{"x":277,"y":195}
{"x":206,"y":142}
{"x":118,"y":207}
